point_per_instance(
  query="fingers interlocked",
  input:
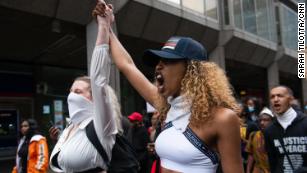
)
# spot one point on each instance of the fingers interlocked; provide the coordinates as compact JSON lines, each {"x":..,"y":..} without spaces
{"x":102,"y":9}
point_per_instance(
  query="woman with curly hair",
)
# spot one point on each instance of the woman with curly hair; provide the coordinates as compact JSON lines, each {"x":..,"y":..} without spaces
{"x":201,"y":127}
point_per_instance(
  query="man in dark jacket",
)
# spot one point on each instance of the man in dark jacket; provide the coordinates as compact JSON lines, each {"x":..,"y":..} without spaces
{"x":286,"y":137}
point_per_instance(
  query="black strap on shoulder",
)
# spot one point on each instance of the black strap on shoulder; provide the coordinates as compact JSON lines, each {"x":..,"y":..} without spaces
{"x":92,"y":136}
{"x":166,"y":126}
{"x":54,"y":160}
{"x":95,"y":170}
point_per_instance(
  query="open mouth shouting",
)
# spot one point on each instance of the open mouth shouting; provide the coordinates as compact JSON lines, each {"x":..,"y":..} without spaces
{"x":159,"y":82}
{"x":277,"y":107}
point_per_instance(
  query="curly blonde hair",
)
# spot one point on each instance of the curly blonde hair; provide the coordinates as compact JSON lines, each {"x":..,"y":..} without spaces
{"x":206,"y":87}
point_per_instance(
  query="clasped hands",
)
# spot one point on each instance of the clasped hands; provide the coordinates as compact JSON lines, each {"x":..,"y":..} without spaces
{"x":103,"y":13}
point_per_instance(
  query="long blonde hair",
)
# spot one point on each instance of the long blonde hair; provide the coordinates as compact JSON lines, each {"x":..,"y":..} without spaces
{"x":116,"y":107}
{"x":206,"y":87}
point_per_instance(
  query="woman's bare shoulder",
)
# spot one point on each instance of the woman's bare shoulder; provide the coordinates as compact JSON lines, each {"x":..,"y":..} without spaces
{"x":225,"y":116}
{"x":227,"y":124}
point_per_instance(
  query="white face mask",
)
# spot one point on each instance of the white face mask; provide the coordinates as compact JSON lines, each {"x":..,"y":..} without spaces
{"x":79,"y":108}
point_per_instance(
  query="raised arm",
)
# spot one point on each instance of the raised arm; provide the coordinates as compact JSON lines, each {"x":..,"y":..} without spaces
{"x":136,"y":78}
{"x":104,"y":122}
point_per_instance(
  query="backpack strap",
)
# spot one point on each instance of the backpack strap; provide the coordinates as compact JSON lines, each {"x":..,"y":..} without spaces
{"x":92,"y":136}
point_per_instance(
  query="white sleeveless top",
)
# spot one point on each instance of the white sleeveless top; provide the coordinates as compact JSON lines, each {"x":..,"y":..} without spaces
{"x":178,"y":147}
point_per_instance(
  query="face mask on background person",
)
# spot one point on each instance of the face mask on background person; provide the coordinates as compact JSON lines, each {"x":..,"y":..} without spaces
{"x":79,"y":108}
{"x":251,"y":108}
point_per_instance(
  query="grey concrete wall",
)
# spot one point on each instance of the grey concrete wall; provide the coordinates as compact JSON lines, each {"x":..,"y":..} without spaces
{"x":273,"y":75}
{"x":67,"y":10}
{"x":218,"y":56}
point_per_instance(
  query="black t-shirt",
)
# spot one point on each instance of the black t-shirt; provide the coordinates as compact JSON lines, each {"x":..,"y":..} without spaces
{"x":294,"y":139}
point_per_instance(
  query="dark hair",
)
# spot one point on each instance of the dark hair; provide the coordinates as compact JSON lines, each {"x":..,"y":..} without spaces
{"x":33,"y":124}
{"x":257,"y":107}
{"x":286,"y":87}
{"x":33,"y":127}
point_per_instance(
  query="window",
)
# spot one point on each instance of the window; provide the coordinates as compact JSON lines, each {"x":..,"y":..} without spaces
{"x":288,"y":27}
{"x":195,"y":5}
{"x":211,"y":9}
{"x":249,"y":16}
{"x":262,"y":16}
{"x":174,"y":1}
{"x":237,"y":13}
{"x":256,"y":17}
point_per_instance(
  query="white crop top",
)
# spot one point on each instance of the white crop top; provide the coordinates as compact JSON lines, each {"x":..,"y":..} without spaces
{"x":178,"y":146}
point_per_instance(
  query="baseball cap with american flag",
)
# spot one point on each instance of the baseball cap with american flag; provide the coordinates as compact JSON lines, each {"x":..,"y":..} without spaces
{"x":176,"y":48}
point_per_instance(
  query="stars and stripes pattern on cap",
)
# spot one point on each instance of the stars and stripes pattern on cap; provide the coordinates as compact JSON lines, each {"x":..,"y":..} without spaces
{"x":171,"y":43}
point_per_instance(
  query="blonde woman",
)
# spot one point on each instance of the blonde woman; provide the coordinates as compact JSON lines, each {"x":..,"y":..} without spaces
{"x":90,"y":99}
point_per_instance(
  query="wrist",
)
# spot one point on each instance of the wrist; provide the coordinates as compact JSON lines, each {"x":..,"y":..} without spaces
{"x":103,"y":26}
{"x":103,"y":36}
{"x":104,"y":31}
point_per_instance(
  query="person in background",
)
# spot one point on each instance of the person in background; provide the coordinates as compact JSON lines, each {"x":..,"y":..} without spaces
{"x":54,"y":133}
{"x":153,"y":127}
{"x":252,"y":109}
{"x":126,"y":124}
{"x":153,"y":131}
{"x":286,"y":137}
{"x":32,"y":152}
{"x":139,"y":138}
{"x":296,"y":105}
{"x":247,"y":127}
{"x":257,"y":156}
